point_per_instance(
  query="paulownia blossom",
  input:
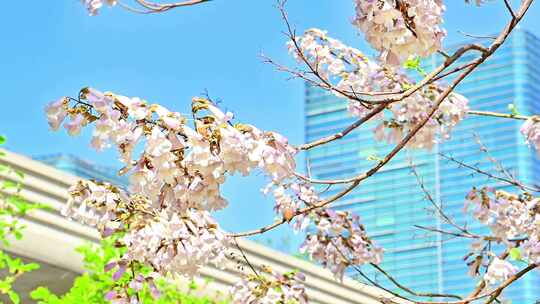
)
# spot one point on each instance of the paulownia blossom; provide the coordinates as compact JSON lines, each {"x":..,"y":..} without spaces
{"x":531,"y":130}
{"x":401,"y":28}
{"x":499,"y":271}
{"x":348,"y":73}
{"x":339,"y":241}
{"x":169,"y":239}
{"x":175,"y":182}
{"x":270,"y":287}
{"x":510,"y":218}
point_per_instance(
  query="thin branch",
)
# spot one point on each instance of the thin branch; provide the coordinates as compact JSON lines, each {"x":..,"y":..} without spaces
{"x":500,"y":115}
{"x":435,"y":204}
{"x":245,"y":257}
{"x":490,"y":175}
{"x":410,"y":291}
{"x":509,"y":8}
{"x":476,"y":36}
{"x":343,"y":132}
{"x":498,"y":165}
{"x":153,"y":7}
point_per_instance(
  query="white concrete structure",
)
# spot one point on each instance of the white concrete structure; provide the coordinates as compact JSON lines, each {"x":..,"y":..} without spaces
{"x":50,"y":239}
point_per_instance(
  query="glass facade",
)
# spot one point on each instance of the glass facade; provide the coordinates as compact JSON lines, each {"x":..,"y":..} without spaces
{"x":392,"y":204}
{"x":83,"y":168}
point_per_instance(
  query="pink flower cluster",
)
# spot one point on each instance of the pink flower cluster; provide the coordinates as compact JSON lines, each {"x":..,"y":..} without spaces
{"x":166,"y":238}
{"x":401,"y":28}
{"x":531,"y":130}
{"x":350,"y":74}
{"x":270,"y":288}
{"x":289,"y":198}
{"x":339,"y":242}
{"x":180,"y":166}
{"x":175,"y":182}
{"x":509,"y":217}
{"x":499,"y":270}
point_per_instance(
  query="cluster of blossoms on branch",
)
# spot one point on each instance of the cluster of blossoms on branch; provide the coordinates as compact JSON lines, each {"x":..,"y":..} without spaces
{"x":401,"y":28}
{"x":349,"y":74}
{"x":175,"y":182}
{"x":514,"y":221}
{"x":270,"y":288}
{"x":335,"y":239}
{"x":167,"y":239}
{"x":339,"y":241}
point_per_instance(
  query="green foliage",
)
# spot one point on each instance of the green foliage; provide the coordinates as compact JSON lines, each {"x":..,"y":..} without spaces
{"x":12,"y":207}
{"x":91,"y":287}
{"x":413,"y":63}
{"x":515,"y":254}
{"x":513,"y":109}
{"x":374,"y":158}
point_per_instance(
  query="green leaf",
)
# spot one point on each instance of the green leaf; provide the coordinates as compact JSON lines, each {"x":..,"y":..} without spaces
{"x":7,"y":184}
{"x":40,"y":293}
{"x":413,"y":63}
{"x":2,"y":139}
{"x":373,"y":158}
{"x":5,"y":284}
{"x":193,"y":285}
{"x":515,"y":254}
{"x":19,"y":174}
{"x":14,"y":297}
{"x":29,"y":267}
{"x":513,"y":109}
{"x":18,"y":235}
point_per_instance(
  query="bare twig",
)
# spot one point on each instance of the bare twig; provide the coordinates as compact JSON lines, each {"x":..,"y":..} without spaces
{"x":245,"y":257}
{"x":500,"y":115}
{"x":153,"y":7}
{"x":509,"y":8}
{"x":490,"y":175}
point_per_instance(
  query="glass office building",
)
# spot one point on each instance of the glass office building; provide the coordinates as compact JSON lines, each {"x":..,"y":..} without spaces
{"x":392,"y":204}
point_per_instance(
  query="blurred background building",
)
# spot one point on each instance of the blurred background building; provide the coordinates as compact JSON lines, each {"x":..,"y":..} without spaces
{"x":83,"y":168}
{"x":392,"y":203}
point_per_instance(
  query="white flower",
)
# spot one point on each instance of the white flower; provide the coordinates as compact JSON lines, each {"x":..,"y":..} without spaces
{"x":56,"y":113}
{"x":74,"y":126}
{"x":399,"y":29}
{"x":340,"y":241}
{"x":499,"y":271}
{"x":531,"y":130}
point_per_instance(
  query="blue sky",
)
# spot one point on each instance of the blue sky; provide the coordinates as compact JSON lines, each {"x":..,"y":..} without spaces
{"x":53,"y":48}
